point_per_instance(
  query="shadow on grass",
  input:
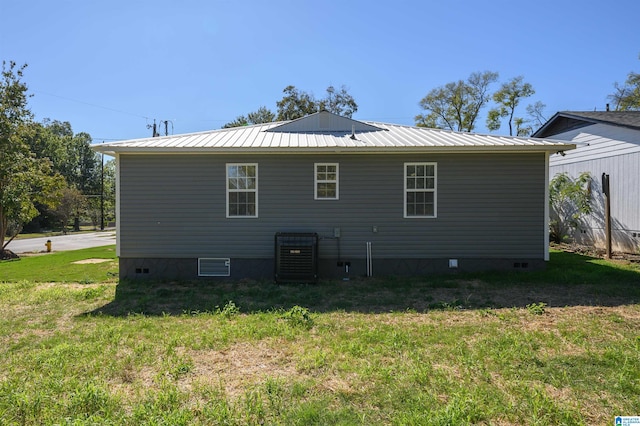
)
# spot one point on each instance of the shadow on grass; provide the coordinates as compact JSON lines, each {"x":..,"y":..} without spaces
{"x":569,"y":280}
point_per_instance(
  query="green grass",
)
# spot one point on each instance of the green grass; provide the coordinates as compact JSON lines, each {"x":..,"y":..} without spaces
{"x":463,"y":349}
{"x":61,"y":267}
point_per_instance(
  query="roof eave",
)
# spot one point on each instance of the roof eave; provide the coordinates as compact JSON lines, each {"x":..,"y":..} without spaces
{"x":554,"y":148}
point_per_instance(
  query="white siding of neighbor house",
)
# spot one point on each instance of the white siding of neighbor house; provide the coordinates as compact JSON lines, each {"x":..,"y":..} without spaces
{"x":489,"y":206}
{"x":615,"y":151}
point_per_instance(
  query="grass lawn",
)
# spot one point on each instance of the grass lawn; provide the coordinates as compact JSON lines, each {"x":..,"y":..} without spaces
{"x":81,"y":266}
{"x":560,"y":346}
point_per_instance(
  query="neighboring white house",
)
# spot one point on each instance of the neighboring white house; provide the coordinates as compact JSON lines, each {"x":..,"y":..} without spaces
{"x":607,"y":142}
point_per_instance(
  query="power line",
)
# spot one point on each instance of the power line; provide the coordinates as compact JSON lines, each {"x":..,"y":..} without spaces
{"x":93,"y":105}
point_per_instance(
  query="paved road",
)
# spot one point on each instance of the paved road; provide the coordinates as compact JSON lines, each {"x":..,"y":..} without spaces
{"x":64,"y":242}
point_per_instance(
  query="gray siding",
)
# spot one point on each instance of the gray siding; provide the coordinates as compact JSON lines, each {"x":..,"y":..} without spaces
{"x":489,"y":206}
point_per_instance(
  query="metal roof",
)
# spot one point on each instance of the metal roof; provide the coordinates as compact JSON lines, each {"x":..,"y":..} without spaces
{"x":326,"y":132}
{"x":566,"y":120}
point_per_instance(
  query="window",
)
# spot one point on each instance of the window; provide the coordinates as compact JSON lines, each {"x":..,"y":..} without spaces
{"x":420,"y":190}
{"x":326,"y":181}
{"x":242,"y":190}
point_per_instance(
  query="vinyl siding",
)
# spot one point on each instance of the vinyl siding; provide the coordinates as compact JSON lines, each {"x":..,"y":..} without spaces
{"x":615,"y":151}
{"x":596,"y":142}
{"x":489,"y":206}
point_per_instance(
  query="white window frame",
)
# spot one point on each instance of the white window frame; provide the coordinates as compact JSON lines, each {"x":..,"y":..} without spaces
{"x":245,"y":190}
{"x":433,"y":190}
{"x":317,"y":181}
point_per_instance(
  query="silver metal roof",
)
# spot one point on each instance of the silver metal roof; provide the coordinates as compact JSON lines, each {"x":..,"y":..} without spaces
{"x":326,"y":132}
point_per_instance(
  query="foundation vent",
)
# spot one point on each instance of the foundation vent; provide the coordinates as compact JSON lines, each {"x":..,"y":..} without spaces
{"x":214,"y":267}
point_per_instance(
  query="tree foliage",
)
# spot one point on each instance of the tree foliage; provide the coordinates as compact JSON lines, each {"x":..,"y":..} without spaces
{"x":72,"y":203}
{"x":507,"y":99}
{"x":24,"y":179}
{"x":569,"y":201}
{"x":456,"y":105}
{"x":72,"y":157}
{"x":297,"y":104}
{"x":627,"y":95}
{"x":262,"y":115}
{"x":339,"y":102}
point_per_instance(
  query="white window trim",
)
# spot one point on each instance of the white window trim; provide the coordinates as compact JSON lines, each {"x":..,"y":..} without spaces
{"x":434,"y":190}
{"x":226,"y":184}
{"x":316,"y":181}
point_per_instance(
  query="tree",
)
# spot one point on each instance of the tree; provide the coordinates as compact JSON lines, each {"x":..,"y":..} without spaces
{"x":569,"y":201}
{"x":70,"y":155}
{"x":295,"y":104}
{"x":339,"y":102}
{"x":262,"y":115}
{"x":507,"y":99}
{"x":456,"y":105}
{"x":536,"y":113}
{"x":24,"y":179}
{"x":627,"y":95}
{"x":72,"y":203}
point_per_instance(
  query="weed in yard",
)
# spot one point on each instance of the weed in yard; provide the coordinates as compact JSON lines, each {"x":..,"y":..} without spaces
{"x":536,"y":308}
{"x":229,"y":310}
{"x":299,"y":317}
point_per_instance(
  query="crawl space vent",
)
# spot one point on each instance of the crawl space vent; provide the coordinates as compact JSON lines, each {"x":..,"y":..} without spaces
{"x":296,"y":257}
{"x":214,"y":267}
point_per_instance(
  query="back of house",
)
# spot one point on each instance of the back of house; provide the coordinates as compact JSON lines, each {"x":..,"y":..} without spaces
{"x":330,"y":197}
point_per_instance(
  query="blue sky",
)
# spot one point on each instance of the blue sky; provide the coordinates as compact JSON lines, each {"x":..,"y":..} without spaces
{"x":111,"y":68}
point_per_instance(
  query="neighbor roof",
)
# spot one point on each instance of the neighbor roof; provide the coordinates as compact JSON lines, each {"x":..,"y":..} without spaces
{"x":327,"y":132}
{"x":564,"y":121}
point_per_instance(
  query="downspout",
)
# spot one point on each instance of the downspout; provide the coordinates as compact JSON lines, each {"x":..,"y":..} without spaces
{"x":118,"y":233}
{"x":545,"y":232}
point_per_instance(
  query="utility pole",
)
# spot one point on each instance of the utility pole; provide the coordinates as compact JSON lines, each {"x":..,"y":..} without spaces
{"x":606,"y":190}
{"x":153,"y":126}
{"x":102,"y":193}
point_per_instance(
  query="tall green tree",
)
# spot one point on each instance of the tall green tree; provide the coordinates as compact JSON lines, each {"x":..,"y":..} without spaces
{"x":339,"y":102}
{"x":295,"y":104}
{"x":24,"y":179}
{"x":457,"y":105}
{"x":507,"y":99}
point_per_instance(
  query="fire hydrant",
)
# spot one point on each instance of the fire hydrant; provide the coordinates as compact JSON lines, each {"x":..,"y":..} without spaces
{"x":48,"y":245}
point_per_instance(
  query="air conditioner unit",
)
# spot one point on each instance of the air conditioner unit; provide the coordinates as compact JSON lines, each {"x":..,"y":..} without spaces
{"x":296,"y":257}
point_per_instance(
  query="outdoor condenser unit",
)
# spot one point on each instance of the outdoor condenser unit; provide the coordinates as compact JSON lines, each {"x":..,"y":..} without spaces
{"x":296,"y":257}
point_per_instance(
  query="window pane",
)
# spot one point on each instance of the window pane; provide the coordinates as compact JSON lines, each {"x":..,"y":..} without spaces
{"x":430,"y":171}
{"x":431,"y":182}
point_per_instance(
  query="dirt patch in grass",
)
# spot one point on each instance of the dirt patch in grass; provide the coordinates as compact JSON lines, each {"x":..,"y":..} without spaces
{"x":242,"y":366}
{"x":90,"y":261}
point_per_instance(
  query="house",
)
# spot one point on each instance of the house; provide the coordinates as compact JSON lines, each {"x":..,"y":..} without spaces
{"x":331,"y":197}
{"x":607,"y":142}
